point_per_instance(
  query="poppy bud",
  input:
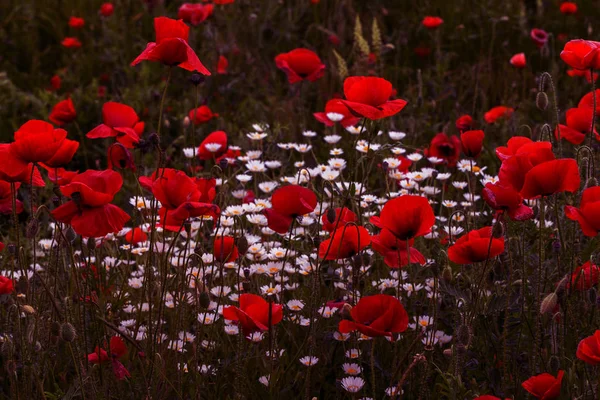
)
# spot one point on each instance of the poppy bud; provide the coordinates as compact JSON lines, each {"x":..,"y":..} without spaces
{"x":67,"y":332}
{"x":119,"y":157}
{"x":385,"y":166}
{"x":593,"y":295}
{"x":447,"y":274}
{"x":91,"y":244}
{"x":331,"y":215}
{"x":553,"y":364}
{"x":7,"y":348}
{"x":246,"y":286}
{"x":154,"y":139}
{"x":463,"y":335}
{"x":70,"y":234}
{"x":541,"y":100}
{"x":498,"y":230}
{"x":247,"y":273}
{"x":549,"y":303}
{"x":242,"y":245}
{"x":12,"y":249}
{"x":186,"y":121}
{"x":196,"y":79}
{"x":33,"y":227}
{"x":357,"y":261}
{"x":223,"y":163}
{"x":366,"y":258}
{"x":346,"y":309}
{"x":204,"y":300}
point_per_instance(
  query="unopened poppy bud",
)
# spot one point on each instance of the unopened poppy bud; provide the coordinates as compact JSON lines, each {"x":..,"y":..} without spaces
{"x":196,"y":79}
{"x":242,"y":245}
{"x":204,"y":299}
{"x":541,"y":101}
{"x":12,"y":249}
{"x":70,"y":234}
{"x":560,"y":287}
{"x":56,"y":198}
{"x":246,"y":286}
{"x":463,"y":335}
{"x":247,"y":273}
{"x":119,"y":157}
{"x":357,"y":261}
{"x":385,"y":166}
{"x":554,"y":364}
{"x":223,"y":163}
{"x":33,"y":227}
{"x":330,"y":215}
{"x":154,"y":139}
{"x":366,"y":258}
{"x":498,"y":230}
{"x":166,"y":123}
{"x":447,"y":274}
{"x":186,"y":121}
{"x":593,"y":295}
{"x":27,"y":309}
{"x":68,"y":332}
{"x":549,"y":303}
{"x":346,"y":309}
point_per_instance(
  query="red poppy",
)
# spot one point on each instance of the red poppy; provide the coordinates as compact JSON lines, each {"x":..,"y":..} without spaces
{"x":513,"y":170}
{"x":580,"y":119}
{"x":406,"y":217}
{"x":487,"y":397}
{"x":195,"y":13}
{"x":581,"y":54}
{"x":71,"y":43}
{"x":171,"y":46}
{"x":518,"y":60}
{"x":120,"y":157}
{"x":60,"y":176}
{"x":496,"y":113}
{"x":504,"y":198}
{"x":119,"y":121}
{"x":375,"y":316}
{"x":539,"y":37}
{"x":588,"y":213}
{"x":55,"y":82}
{"x":76,"y":23}
{"x":472,"y":142}
{"x":476,"y":246}
{"x":587,"y":101}
{"x":430,"y":22}
{"x":201,"y":115}
{"x":445,"y":147}
{"x":584,"y":277}
{"x":287,"y":203}
{"x":223,"y":1}
{"x":405,"y":164}
{"x":1,"y":246}
{"x":107,"y":9}
{"x":224,"y":249}
{"x":551,"y":177}
{"x":6,"y":285}
{"x":586,"y":73}
{"x":253,"y":313}
{"x":117,"y":349}
{"x":222,"y":65}
{"x":13,"y":169}
{"x":300,"y":64}
{"x":207,"y":188}
{"x":464,"y":122}
{"x":336,"y":111}
{"x":89,"y":211}
{"x":544,"y":386}
{"x":513,"y":146}
{"x":343,"y":215}
{"x":588,"y":349}
{"x":213,"y":146}
{"x":6,"y":197}
{"x":568,"y":8}
{"x":369,"y":97}
{"x":394,"y":251}
{"x":136,"y":235}
{"x":344,"y":242}
{"x":64,"y":154}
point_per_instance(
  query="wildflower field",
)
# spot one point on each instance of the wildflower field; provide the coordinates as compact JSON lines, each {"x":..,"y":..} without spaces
{"x":299,"y":199}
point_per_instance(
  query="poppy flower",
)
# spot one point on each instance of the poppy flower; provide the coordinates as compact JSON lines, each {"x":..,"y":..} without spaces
{"x":6,"y":285}
{"x":476,"y":246}
{"x":201,"y":115}
{"x":55,"y":82}
{"x":116,"y":350}
{"x":171,"y":46}
{"x":588,"y":349}
{"x":568,"y":8}
{"x":487,"y":397}
{"x":300,"y":64}
{"x":213,"y":146}
{"x":63,"y":112}
{"x":513,"y":145}
{"x":375,"y":316}
{"x":472,"y":142}
{"x":89,"y":211}
{"x":253,"y":313}
{"x":551,"y":177}
{"x":445,"y":147}
{"x":336,"y":111}
{"x":120,"y":157}
{"x":13,"y":169}
{"x":287,"y":203}
{"x":584,"y":277}
{"x":405,"y":164}
{"x":544,"y":386}
{"x":64,"y":154}
{"x":119,"y":121}
{"x":464,"y":122}
{"x":518,"y":60}
{"x":343,"y":215}
{"x":581,"y":54}
{"x":136,"y":235}
{"x":430,"y":22}
{"x":344,"y":242}
{"x":496,"y":113}
{"x":224,"y":249}
{"x":60,"y":176}
{"x":504,"y":198}
{"x":369,"y":97}
{"x":207,"y":188}
{"x":107,"y":9}
{"x":580,"y":119}
{"x":588,"y":213}
{"x":539,"y":37}
{"x":1,"y":246}
{"x":71,"y":43}
{"x":406,"y":217}
{"x":586,"y":73}
{"x":76,"y":23}
{"x":6,"y":198}
{"x":195,"y":13}
{"x":513,"y":170}
{"x":222,"y":65}
{"x":587,"y":101}
{"x":395,"y":252}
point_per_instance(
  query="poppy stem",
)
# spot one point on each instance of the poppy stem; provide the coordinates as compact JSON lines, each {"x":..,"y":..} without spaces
{"x":594,"y":108}
{"x":162,"y":104}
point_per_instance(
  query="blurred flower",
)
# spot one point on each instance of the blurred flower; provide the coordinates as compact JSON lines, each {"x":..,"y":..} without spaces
{"x":300,"y":64}
{"x":518,"y":60}
{"x":119,"y":121}
{"x":195,"y":13}
{"x":430,"y":22}
{"x":544,"y":386}
{"x":63,"y":112}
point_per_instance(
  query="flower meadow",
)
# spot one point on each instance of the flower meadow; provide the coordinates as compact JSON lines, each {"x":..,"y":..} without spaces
{"x":310,"y":199}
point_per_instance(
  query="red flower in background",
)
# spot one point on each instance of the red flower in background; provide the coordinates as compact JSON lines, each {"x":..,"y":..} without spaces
{"x":343,"y":215}
{"x":107,"y":9}
{"x":406,"y":217}
{"x":464,"y":122}
{"x":171,"y":46}
{"x":375,"y":316}
{"x":430,"y":22}
{"x":71,"y":43}
{"x":63,"y":112}
{"x":224,"y":249}
{"x":588,"y":213}
{"x":496,"y":113}
{"x":222,"y":65}
{"x":6,"y":284}
{"x":568,"y":8}
{"x":213,"y":146}
{"x":6,"y":197}
{"x":116,"y":350}
{"x":300,"y":64}
{"x":119,"y":121}
{"x":64,"y":154}
{"x":76,"y":23}
{"x":394,"y":251}
{"x":253,"y":313}
{"x":586,"y":73}
{"x":344,"y":242}
{"x":89,"y":211}
{"x":336,"y":111}
{"x":518,"y":60}
{"x":445,"y":147}
{"x":539,"y":37}
{"x":504,"y":198}
{"x":588,"y":349}
{"x":472,"y":142}
{"x":201,"y":115}
{"x":120,"y":157}
{"x":287,"y":203}
{"x":136,"y":235}
{"x":369,"y":97}
{"x":476,"y":246}
{"x":195,"y":13}
{"x":551,"y":177}
{"x":581,"y":54}
{"x":544,"y":386}
{"x":584,"y":277}
{"x":55,"y":82}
